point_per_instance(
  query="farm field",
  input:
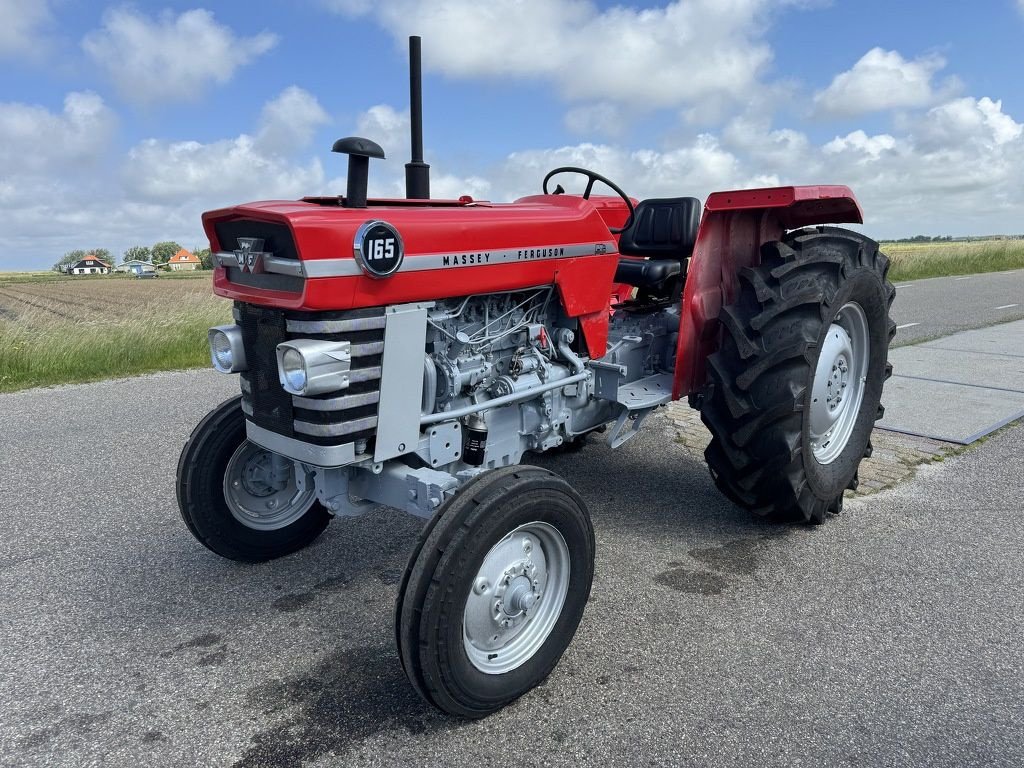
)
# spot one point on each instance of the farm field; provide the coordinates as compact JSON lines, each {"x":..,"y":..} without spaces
{"x":913,"y":261}
{"x":64,"y":330}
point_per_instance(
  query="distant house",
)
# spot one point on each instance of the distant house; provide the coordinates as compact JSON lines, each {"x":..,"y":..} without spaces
{"x":135,"y":267}
{"x":183,"y":260}
{"x":90,"y":265}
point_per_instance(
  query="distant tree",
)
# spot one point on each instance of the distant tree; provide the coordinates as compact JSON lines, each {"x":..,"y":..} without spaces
{"x":102,"y":254}
{"x":137,"y":252}
{"x":69,"y":258}
{"x":205,"y":256}
{"x":162,"y":252}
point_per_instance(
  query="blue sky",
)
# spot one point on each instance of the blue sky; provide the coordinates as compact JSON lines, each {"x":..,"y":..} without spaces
{"x":121,"y":123}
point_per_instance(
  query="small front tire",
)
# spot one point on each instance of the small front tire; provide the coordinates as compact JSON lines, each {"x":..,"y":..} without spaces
{"x":495,"y":590}
{"x":240,"y":500}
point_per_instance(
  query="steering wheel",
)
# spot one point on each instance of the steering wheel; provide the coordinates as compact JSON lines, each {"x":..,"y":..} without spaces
{"x":591,"y":178}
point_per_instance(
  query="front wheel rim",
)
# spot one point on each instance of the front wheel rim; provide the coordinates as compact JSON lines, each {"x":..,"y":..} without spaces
{"x":840,"y":378}
{"x":264,"y":491}
{"x":516,"y":598}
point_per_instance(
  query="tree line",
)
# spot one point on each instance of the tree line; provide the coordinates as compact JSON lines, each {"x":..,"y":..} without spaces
{"x":157,"y":254}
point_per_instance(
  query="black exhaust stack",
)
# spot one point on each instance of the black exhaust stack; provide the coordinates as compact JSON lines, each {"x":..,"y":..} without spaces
{"x":417,"y":173}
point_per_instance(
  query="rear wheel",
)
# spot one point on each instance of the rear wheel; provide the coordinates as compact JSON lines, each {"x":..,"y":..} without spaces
{"x":240,"y":500}
{"x":796,"y":385}
{"x":494,"y":590}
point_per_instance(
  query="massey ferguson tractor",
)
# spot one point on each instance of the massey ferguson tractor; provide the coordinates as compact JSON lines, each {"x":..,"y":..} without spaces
{"x":412,"y":352}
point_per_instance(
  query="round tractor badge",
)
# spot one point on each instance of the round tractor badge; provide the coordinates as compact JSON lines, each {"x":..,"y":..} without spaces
{"x":378,"y":249}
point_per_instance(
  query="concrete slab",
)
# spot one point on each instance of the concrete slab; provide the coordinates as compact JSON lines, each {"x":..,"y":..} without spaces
{"x":958,"y":388}
{"x":979,"y":369}
{"x":956,"y":413}
{"x":1003,"y":339}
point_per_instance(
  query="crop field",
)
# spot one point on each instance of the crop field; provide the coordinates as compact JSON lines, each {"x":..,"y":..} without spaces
{"x":912,"y":261}
{"x":55,"y":331}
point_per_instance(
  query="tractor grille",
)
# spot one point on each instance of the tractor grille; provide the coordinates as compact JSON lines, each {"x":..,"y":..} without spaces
{"x":277,"y":240}
{"x":334,"y":418}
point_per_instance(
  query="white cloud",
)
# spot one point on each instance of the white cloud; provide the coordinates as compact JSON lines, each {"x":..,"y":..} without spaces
{"x":952,"y":169}
{"x":21,"y":25}
{"x":230,"y":170}
{"x":600,"y":119}
{"x":288,"y":122}
{"x":387,"y":126}
{"x":33,"y":139}
{"x":61,"y":187}
{"x":979,"y":121}
{"x":871,"y":147}
{"x":170,"y":58}
{"x":882,"y":80}
{"x":660,"y":57}
{"x":237,"y":169}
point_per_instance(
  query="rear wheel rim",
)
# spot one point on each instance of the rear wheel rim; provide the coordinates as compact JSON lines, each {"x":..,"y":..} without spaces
{"x":840,"y":378}
{"x":265,"y":492}
{"x":516,"y":598}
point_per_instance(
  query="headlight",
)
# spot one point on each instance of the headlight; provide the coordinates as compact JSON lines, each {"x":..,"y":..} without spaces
{"x":226,"y":351}
{"x":293,"y":371}
{"x":313,"y":367}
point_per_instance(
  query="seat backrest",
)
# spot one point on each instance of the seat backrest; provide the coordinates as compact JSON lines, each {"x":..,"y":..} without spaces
{"x":664,"y":228}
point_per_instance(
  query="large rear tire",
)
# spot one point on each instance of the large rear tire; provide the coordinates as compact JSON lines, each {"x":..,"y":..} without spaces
{"x":238,"y":499}
{"x":795,"y":388}
{"x":495,"y":589}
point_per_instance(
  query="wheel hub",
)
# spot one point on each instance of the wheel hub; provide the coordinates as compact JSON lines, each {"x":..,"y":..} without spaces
{"x":516,"y":594}
{"x":516,"y":598}
{"x":265,"y":491}
{"x":837,"y":389}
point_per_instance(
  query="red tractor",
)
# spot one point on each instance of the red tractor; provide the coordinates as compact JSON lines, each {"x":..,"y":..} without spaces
{"x":411,"y":352}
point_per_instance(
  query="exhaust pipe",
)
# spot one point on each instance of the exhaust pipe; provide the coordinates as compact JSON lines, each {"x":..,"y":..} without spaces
{"x":417,"y":172}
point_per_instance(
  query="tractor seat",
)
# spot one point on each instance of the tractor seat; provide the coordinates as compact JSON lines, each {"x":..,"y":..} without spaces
{"x":664,"y":231}
{"x":646,"y":273}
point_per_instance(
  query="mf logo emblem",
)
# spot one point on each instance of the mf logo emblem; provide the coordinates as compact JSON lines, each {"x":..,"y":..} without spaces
{"x":378,"y":249}
{"x":249,"y":255}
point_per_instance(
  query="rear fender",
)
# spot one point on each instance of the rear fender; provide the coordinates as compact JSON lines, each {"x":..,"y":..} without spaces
{"x":732,"y":230}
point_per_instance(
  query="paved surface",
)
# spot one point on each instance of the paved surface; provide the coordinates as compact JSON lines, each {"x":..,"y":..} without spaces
{"x":958,"y":388}
{"x":889,"y":636}
{"x":938,"y":306}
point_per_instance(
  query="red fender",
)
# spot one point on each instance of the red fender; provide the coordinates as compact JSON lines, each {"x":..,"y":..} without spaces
{"x":732,"y":230}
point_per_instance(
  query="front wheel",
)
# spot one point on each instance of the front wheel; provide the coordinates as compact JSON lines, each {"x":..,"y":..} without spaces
{"x":240,"y":500}
{"x":494,"y":590}
{"x":795,"y":388}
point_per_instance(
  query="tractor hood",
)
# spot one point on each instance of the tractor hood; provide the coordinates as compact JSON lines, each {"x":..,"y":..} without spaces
{"x":316,"y":254}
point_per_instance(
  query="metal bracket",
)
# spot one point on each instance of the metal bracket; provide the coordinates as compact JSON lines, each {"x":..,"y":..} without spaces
{"x":627,"y":427}
{"x":332,"y":490}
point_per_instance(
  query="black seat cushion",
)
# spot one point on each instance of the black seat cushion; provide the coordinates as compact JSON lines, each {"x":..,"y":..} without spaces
{"x":663,"y":228}
{"x":646,"y":273}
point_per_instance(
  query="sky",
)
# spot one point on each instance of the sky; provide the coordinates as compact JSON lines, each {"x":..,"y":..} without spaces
{"x":121,"y":123}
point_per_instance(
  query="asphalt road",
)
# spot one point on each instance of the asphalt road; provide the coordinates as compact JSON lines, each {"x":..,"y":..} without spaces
{"x":889,"y":636}
{"x":938,"y":306}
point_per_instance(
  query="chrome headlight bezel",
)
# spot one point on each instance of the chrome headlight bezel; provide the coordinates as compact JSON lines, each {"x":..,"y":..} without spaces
{"x":325,"y":366}
{"x":227,"y":353}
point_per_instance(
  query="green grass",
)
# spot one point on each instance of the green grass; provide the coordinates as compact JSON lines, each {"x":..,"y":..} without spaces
{"x":914,"y":261}
{"x":60,"y":332}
